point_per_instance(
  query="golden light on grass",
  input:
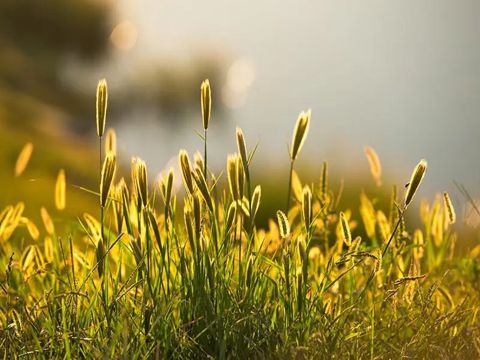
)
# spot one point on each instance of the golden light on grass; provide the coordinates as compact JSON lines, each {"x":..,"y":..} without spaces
{"x":47,"y":221}
{"x":375,"y":165}
{"x":300,"y":133}
{"x":60,"y":190}
{"x":415,"y":181}
{"x":449,"y":208}
{"x":124,"y":35}
{"x":101,"y":106}
{"x":23,"y":159}
{"x":206,"y":102}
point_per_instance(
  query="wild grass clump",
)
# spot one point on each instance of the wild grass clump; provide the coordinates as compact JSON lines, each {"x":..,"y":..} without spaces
{"x":190,"y":275}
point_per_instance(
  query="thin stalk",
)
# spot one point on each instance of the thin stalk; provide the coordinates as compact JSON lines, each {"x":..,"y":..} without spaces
{"x":289,"y":187}
{"x":205,"y":154}
{"x":394,"y":231}
{"x":100,"y":178}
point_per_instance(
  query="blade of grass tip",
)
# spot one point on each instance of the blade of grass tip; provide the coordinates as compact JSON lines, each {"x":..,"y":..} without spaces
{"x":467,"y":196}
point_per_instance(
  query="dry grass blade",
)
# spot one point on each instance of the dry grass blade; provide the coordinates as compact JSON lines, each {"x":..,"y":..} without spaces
{"x":60,"y":190}
{"x":101,"y":106}
{"x":23,"y":159}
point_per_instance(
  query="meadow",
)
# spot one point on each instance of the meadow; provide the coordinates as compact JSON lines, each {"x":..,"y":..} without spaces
{"x":159,"y":274}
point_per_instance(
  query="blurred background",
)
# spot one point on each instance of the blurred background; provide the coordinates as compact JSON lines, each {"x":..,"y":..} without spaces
{"x":402,"y":77}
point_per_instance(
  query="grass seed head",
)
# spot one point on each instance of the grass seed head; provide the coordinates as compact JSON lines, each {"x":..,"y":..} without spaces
{"x":206,"y":102}
{"x":307,"y":207}
{"x":231,"y":216}
{"x":111,"y":142}
{"x":47,"y":221}
{"x":375,"y":165}
{"x":60,"y":190}
{"x":347,"y":235}
{"x":415,"y":180}
{"x":300,"y":133}
{"x":242,"y":148}
{"x":256,"y":198}
{"x":283,"y":224}
{"x":101,"y":106}
{"x":186,"y":170}
{"x":108,"y":172}
{"x":449,"y":208}
{"x":232,"y":176}
{"x":141,"y":179}
{"x":23,"y":159}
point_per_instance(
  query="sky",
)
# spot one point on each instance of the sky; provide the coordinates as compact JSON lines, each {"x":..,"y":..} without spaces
{"x":400,"y":76}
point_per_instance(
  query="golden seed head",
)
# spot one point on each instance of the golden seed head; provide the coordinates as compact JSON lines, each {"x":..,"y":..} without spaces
{"x":60,"y":190}
{"x":141,"y":179}
{"x":347,"y":235}
{"x":111,"y":142}
{"x":186,"y":170}
{"x":47,"y":221}
{"x":449,"y":207}
{"x":231,"y":215}
{"x":101,"y":105}
{"x":415,"y":180}
{"x":300,"y":133}
{"x":375,"y":165}
{"x":108,"y":172}
{"x":232,"y":176}
{"x":307,"y":207}
{"x":166,"y":186}
{"x":256,"y":198}
{"x":242,"y":148}
{"x":283,"y":224}
{"x":240,"y":177}
{"x":23,"y":159}
{"x":206,"y":102}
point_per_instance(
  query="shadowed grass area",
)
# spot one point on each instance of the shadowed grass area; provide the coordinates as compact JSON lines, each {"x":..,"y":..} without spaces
{"x":159,"y":275}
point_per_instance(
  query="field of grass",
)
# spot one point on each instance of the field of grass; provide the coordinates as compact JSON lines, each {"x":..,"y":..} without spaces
{"x":155,"y":274}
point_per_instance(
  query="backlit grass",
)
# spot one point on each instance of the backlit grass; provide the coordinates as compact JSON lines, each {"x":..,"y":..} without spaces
{"x":160,"y":274}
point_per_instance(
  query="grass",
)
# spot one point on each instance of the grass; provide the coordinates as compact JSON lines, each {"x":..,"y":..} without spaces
{"x":159,"y":275}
